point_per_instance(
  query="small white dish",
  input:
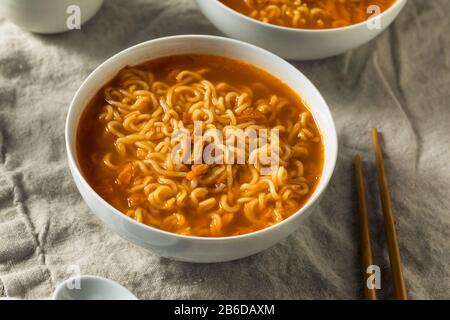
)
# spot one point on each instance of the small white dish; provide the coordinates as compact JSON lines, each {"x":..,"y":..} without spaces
{"x":193,"y":248}
{"x":91,"y":288}
{"x":293,"y":43}
{"x":47,"y":16}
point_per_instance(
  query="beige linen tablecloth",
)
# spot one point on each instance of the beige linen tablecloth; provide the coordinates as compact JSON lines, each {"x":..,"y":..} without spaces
{"x":400,"y":83}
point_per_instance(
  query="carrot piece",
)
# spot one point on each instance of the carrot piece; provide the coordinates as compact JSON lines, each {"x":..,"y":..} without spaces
{"x":126,"y":175}
{"x":196,"y":171}
{"x":187,"y":118}
{"x":136,"y":199}
{"x":251,"y":114}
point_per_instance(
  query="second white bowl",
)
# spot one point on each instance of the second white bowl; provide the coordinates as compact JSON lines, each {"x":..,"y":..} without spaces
{"x":290,"y":43}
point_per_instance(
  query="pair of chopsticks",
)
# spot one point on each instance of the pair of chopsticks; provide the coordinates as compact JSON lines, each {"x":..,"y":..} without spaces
{"x":391,"y":234}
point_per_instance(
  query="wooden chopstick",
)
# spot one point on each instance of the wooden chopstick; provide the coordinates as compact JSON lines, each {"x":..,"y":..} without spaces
{"x":366,"y":247}
{"x":391,"y":234}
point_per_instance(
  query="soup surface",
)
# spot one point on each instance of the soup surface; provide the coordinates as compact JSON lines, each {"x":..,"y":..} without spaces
{"x":127,"y":140}
{"x":310,"y":14}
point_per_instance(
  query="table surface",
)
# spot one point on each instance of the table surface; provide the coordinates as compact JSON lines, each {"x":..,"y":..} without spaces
{"x":398,"y":83}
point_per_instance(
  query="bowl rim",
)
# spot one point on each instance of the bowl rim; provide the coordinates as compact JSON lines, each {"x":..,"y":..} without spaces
{"x":300,"y":30}
{"x":86,"y":84}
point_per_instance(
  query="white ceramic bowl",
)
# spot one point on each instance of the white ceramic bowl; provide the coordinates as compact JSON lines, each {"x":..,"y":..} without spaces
{"x":47,"y":16}
{"x":190,"y":248}
{"x":91,"y":288}
{"x":290,"y":43}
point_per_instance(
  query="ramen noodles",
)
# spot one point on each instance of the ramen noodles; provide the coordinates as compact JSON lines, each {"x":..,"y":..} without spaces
{"x":310,"y":14}
{"x":126,"y":142}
